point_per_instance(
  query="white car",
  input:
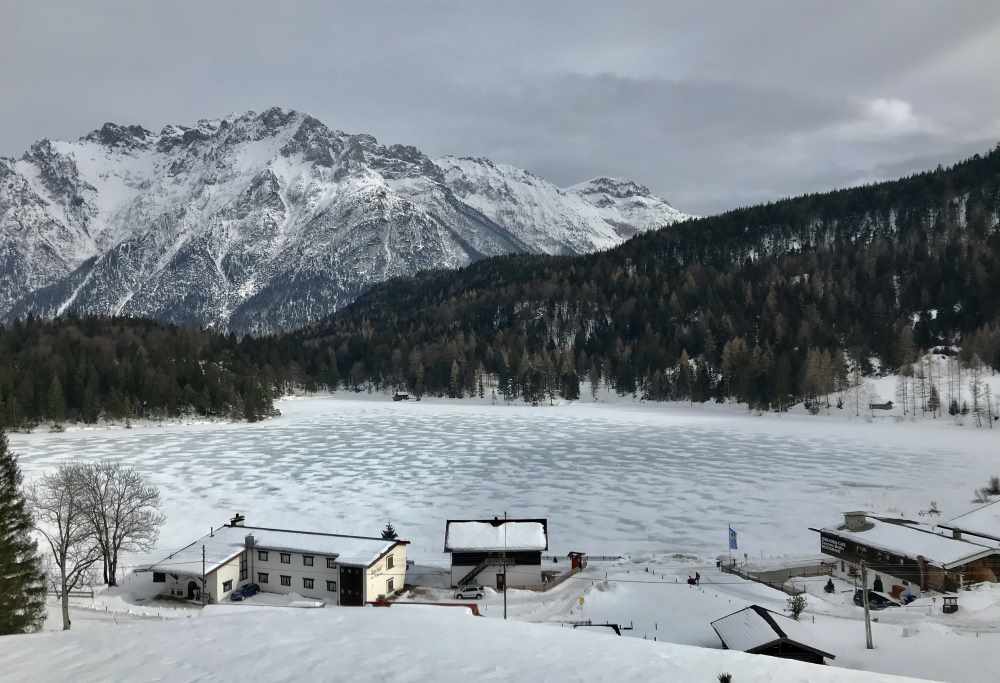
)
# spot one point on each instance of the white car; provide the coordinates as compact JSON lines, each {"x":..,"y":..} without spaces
{"x":469,"y":593}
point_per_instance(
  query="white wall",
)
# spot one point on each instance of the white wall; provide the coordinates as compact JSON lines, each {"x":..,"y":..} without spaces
{"x":230,"y":571}
{"x":297,"y":570}
{"x":176,"y":585}
{"x":377,"y":575}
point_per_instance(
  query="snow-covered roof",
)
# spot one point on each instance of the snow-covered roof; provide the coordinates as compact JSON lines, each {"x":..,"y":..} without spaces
{"x":754,"y":627}
{"x":226,"y":542}
{"x":983,"y":521}
{"x":496,"y":534}
{"x":915,"y":541}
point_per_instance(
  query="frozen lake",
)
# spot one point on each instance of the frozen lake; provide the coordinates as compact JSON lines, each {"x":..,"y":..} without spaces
{"x":611,"y":478}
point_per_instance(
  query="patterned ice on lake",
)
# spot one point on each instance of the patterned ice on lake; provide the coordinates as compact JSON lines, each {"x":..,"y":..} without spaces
{"x":610,"y":478}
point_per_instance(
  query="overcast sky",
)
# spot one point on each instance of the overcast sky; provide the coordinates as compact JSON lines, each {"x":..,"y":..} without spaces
{"x":711,"y":107}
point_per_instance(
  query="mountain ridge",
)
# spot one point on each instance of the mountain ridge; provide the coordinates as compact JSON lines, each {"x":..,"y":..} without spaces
{"x":258,"y":223}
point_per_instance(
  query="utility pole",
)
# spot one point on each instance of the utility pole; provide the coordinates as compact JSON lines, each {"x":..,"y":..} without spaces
{"x":868,"y":620}
{"x":203,"y":596}
{"x":505,"y":564}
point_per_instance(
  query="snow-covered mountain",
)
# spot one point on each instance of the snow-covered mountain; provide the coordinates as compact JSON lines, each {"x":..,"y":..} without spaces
{"x":259,"y":222}
{"x":597,"y":214}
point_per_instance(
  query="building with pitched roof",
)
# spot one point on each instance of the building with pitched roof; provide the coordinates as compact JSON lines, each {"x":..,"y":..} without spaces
{"x":908,"y":554}
{"x":335,"y":568}
{"x":981,"y":525}
{"x":495,"y":551}
{"x":758,"y":630}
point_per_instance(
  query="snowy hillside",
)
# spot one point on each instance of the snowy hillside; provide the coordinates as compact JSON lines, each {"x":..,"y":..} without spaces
{"x":594,"y":215}
{"x":395,"y":644}
{"x":258,"y":222}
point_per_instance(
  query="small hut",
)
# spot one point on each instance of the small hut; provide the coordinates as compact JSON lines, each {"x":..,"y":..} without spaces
{"x":757,"y":630}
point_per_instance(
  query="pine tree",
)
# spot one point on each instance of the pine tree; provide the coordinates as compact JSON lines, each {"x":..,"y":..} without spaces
{"x":56,"y":402}
{"x":389,"y":533}
{"x":22,"y":584}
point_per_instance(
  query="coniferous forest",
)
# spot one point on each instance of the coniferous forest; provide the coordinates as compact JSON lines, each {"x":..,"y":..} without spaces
{"x":767,"y":305}
{"x":82,"y":370}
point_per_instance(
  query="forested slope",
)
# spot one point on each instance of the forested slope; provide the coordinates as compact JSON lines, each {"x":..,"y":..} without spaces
{"x":765,"y":304}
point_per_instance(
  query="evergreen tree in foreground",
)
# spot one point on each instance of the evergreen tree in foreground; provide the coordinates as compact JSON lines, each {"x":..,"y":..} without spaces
{"x":22,"y":584}
{"x":388,"y":533}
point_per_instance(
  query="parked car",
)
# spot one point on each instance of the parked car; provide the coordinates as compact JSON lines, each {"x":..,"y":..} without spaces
{"x":469,"y":593}
{"x":876,"y":600}
{"x":236,"y":595}
{"x":250,"y":590}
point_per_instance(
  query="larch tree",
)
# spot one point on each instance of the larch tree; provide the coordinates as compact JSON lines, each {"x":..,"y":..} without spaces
{"x":58,"y":504}
{"x":22,"y":583}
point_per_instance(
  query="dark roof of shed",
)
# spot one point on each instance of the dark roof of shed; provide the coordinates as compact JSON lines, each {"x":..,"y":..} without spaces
{"x":779,"y":626}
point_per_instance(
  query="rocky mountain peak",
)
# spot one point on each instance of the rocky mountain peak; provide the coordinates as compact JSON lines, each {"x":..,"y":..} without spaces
{"x":114,"y":135}
{"x":257,"y":222}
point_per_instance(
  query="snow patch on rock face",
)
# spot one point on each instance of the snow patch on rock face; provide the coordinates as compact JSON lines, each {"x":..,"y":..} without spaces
{"x":260,"y":222}
{"x":579,"y":219}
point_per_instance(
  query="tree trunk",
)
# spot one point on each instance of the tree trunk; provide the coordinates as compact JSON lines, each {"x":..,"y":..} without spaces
{"x":65,"y":604}
{"x":112,"y":571}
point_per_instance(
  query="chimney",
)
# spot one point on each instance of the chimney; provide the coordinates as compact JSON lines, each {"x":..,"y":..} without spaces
{"x":237,"y":520}
{"x":248,"y":541}
{"x":856,"y":521}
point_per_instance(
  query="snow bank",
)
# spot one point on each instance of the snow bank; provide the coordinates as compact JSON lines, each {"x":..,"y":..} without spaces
{"x":378,"y":644}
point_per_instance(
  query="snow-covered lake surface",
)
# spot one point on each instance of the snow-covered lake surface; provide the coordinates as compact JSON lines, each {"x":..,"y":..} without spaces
{"x":611,"y":478}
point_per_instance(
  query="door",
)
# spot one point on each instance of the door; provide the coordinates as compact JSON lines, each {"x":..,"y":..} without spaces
{"x":193,"y":593}
{"x":501,"y":582}
{"x":352,"y":588}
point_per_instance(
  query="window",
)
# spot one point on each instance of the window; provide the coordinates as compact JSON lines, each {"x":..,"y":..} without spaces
{"x":307,"y":583}
{"x":388,"y":562}
{"x":262,"y":555}
{"x":159,"y":577}
{"x":307,"y":560}
{"x":286,"y":580}
{"x":331,"y":586}
{"x":261,"y":577}
{"x":388,"y":586}
{"x":243,"y":566}
{"x":286,"y":558}
{"x":227,"y":586}
{"x":331,"y":563}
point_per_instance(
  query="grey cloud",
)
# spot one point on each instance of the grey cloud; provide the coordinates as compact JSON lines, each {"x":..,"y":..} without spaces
{"x":712,"y":106}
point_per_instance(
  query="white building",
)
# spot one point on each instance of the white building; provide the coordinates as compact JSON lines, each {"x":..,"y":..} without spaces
{"x":481,"y":548}
{"x":338,"y":569}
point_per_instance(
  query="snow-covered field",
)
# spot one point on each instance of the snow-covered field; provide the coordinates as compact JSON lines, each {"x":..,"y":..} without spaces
{"x":407,"y":644}
{"x":658,"y":483}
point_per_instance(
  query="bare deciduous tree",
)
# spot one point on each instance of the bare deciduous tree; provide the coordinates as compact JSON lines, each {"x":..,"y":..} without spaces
{"x":58,"y":505}
{"x":123,"y":512}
